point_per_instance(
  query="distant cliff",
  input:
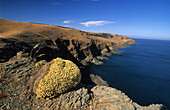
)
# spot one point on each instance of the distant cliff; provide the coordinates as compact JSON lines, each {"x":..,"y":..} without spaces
{"x":26,"y":48}
{"x":56,"y":41}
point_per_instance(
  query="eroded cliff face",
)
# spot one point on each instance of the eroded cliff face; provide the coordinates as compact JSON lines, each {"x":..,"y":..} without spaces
{"x":19,"y":75}
{"x":22,"y":45}
{"x":54,"y":41}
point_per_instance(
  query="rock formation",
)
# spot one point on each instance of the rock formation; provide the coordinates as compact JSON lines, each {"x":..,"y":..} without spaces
{"x":54,"y":41}
{"x":107,"y":98}
{"x":27,"y":51}
{"x":17,"y":93}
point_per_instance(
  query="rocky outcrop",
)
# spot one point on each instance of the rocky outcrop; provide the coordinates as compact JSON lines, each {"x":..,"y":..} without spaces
{"x":16,"y":93}
{"x":7,"y":49}
{"x":98,"y":80}
{"x":54,"y":41}
{"x":107,"y":98}
{"x":16,"y":77}
{"x":77,"y":99}
{"x":25,"y":49}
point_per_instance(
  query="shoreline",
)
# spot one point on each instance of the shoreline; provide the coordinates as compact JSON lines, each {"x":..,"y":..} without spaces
{"x":27,"y":51}
{"x":90,"y":95}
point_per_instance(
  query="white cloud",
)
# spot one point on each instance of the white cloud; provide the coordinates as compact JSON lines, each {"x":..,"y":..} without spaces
{"x":56,"y":3}
{"x":95,"y":23}
{"x":67,"y":22}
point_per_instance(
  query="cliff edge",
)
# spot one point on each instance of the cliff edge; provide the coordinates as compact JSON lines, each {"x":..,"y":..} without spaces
{"x":25,"y":48}
{"x":54,"y":41}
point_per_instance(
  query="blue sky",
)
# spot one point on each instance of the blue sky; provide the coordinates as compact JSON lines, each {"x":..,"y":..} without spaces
{"x":134,"y":18}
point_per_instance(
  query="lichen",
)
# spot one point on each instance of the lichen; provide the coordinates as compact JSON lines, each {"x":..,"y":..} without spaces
{"x":39,"y":64}
{"x":62,"y":76}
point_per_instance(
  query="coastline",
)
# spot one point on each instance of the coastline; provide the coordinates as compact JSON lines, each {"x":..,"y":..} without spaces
{"x":23,"y":50}
{"x":92,"y":93}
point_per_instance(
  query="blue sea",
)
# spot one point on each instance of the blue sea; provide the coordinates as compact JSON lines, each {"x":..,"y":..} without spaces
{"x":141,"y":71}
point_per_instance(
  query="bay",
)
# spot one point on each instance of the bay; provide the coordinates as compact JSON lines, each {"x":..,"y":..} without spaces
{"x":142,"y":71}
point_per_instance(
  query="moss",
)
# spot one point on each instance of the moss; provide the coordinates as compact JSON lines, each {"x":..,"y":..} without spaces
{"x":62,"y":76}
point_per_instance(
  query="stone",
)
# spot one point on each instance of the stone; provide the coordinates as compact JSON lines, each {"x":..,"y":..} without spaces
{"x":98,"y":80}
{"x":102,"y":58}
{"x":108,"y":98}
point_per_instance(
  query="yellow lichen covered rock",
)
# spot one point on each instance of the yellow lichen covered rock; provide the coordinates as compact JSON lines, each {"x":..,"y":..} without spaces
{"x":40,"y":63}
{"x":62,"y":76}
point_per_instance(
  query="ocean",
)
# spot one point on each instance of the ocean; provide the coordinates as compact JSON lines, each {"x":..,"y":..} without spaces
{"x":141,"y":71}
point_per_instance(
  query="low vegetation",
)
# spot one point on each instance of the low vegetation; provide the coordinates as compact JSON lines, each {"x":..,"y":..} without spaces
{"x":63,"y":75}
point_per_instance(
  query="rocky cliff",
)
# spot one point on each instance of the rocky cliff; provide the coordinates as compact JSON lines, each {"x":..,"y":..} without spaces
{"x":54,"y":41}
{"x":18,"y":74}
{"x":25,"y":48}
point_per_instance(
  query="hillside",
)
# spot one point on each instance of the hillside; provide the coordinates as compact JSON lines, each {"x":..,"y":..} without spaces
{"x":55,"y":41}
{"x":28,"y":69}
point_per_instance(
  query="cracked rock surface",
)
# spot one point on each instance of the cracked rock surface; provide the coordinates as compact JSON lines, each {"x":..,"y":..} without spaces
{"x":107,"y":98}
{"x":15,"y":92}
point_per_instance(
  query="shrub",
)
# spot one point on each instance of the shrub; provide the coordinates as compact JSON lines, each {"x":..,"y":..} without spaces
{"x":62,"y":76}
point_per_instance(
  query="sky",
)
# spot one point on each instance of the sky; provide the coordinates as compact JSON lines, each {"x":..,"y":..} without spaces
{"x":148,"y":19}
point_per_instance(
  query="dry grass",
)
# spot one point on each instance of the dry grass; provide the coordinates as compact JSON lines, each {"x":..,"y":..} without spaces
{"x":31,"y":53}
{"x":12,"y":28}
